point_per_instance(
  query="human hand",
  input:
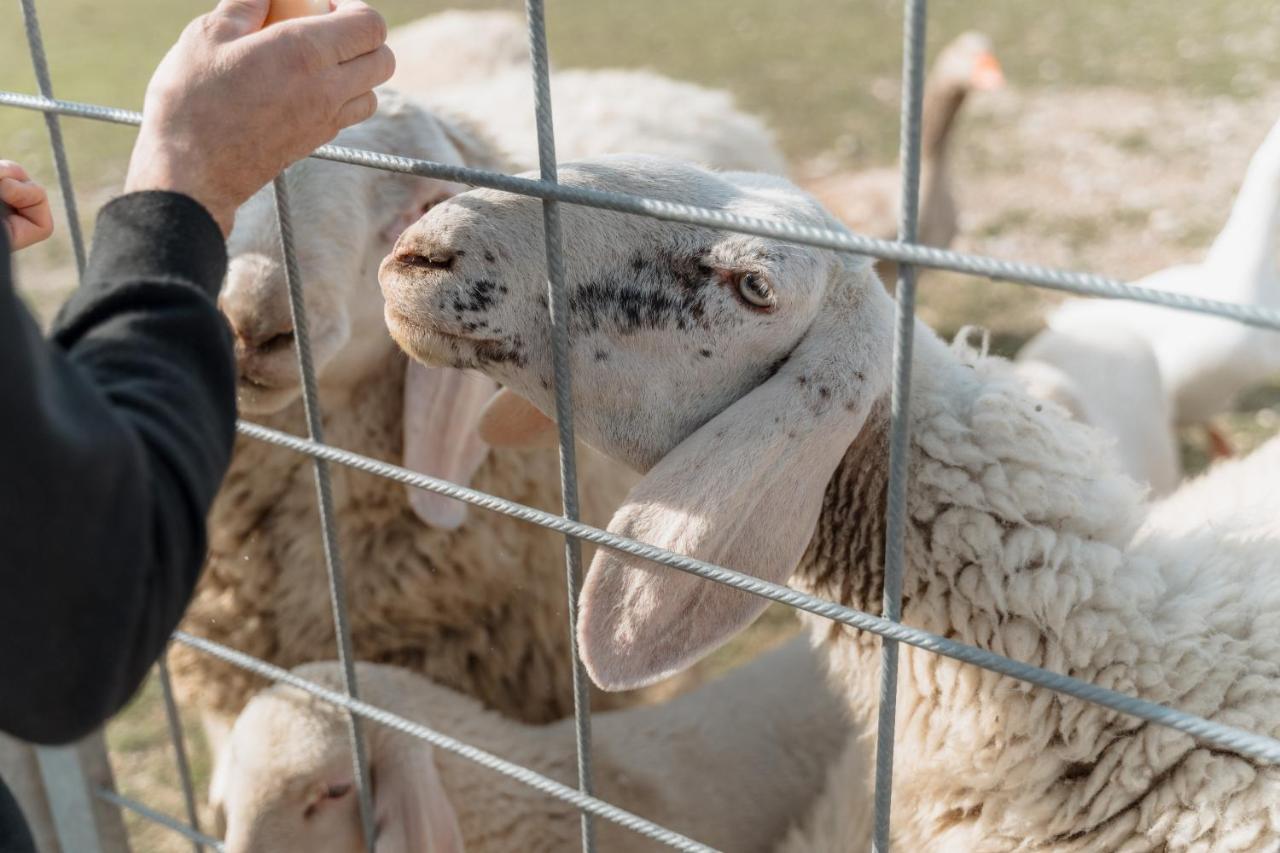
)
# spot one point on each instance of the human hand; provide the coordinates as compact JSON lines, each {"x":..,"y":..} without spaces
{"x":28,"y":219}
{"x":233,"y":104}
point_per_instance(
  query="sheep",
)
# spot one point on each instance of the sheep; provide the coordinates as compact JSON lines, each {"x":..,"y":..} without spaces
{"x":481,"y":608}
{"x":728,"y":765}
{"x":749,"y":380}
{"x":478,"y":607}
{"x":1106,"y":375}
{"x":615,"y":111}
{"x":457,"y":46}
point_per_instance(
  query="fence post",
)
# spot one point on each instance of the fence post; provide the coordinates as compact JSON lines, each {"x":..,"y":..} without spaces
{"x":54,"y":788}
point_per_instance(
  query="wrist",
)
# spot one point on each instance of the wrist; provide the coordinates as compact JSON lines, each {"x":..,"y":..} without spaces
{"x":159,"y":167}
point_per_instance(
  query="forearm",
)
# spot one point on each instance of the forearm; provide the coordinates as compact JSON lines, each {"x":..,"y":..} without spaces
{"x":126,"y":429}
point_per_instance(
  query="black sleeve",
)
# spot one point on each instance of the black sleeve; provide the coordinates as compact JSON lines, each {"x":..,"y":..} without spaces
{"x":114,"y":437}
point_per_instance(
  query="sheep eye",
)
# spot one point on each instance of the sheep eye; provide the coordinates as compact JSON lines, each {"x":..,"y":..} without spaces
{"x":337,"y":792}
{"x":756,"y":291}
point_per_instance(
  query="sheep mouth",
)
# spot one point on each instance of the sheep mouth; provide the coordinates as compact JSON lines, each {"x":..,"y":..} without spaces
{"x":433,"y":345}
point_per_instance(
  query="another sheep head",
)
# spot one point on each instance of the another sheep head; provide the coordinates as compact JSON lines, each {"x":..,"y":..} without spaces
{"x":285,"y":781}
{"x":344,"y":221}
{"x":734,"y":369}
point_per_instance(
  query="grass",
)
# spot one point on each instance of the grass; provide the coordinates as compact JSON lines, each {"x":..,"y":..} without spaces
{"x":825,"y":74}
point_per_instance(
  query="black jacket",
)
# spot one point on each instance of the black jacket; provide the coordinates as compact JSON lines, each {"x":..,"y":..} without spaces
{"x":114,"y":436}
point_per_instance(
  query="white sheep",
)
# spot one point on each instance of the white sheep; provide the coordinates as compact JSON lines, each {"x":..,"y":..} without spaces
{"x":480,"y":609}
{"x":457,"y":46}
{"x":749,"y":378}
{"x":614,"y":111}
{"x":728,"y":765}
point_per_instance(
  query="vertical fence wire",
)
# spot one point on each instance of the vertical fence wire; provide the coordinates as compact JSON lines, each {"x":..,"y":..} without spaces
{"x":179,"y":746}
{"x":324,"y":495}
{"x":40,"y":64}
{"x":559,"y":310}
{"x":913,"y":27}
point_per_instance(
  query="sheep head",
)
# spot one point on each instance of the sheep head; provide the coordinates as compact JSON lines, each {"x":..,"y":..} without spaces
{"x":285,"y":779}
{"x":734,"y":369}
{"x":344,"y":221}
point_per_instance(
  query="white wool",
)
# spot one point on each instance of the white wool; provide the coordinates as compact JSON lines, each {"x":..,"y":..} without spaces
{"x":729,"y":764}
{"x":616,"y":111}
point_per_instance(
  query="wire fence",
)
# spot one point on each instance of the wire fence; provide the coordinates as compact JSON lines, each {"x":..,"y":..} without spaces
{"x":904,"y":250}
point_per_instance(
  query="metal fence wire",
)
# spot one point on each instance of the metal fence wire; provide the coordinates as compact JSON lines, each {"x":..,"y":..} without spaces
{"x":904,"y":250}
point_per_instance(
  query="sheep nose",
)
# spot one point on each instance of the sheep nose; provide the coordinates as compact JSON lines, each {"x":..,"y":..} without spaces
{"x":427,"y":258}
{"x":256,"y":334}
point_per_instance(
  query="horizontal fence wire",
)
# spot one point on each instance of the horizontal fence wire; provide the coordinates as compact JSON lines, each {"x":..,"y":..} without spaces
{"x":1261,"y":747}
{"x":1080,"y":284}
{"x":521,"y":774}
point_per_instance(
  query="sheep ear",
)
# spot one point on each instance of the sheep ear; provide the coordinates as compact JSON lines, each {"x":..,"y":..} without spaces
{"x":441,"y":407}
{"x":425,"y":194}
{"x":411,"y":809}
{"x":509,"y":420}
{"x":218,"y":788}
{"x":743,"y":491}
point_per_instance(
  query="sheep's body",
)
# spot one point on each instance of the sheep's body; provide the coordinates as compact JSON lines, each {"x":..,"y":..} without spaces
{"x":480,"y":609}
{"x":1024,"y":541}
{"x":770,"y":456}
{"x":456,"y":47}
{"x":1107,"y":376}
{"x":729,"y":765}
{"x":615,"y":111}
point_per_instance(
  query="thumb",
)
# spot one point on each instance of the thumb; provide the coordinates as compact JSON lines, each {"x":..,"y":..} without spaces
{"x":245,"y":16}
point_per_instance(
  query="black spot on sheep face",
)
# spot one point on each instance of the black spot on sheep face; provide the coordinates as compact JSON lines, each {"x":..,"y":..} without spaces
{"x":669,"y":323}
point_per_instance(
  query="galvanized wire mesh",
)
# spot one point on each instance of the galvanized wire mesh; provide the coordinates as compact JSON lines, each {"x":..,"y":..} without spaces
{"x":904,"y":251}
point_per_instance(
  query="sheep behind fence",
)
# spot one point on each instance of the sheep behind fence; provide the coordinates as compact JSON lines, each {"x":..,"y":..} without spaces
{"x":72,"y":796}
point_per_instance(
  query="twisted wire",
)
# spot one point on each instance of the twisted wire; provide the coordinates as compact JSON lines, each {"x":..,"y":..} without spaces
{"x":913,"y":27}
{"x":1065,"y":281}
{"x":324,"y":496}
{"x":40,"y":64}
{"x":521,"y":774}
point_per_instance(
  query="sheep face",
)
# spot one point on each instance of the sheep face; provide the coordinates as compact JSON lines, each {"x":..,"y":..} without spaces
{"x":669,"y":323}
{"x":735,"y":370}
{"x":284,"y":781}
{"x":344,"y":221}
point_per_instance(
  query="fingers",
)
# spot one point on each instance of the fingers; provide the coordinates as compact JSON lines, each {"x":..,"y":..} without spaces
{"x":361,"y":74}
{"x":21,"y":194}
{"x":352,"y":29}
{"x":357,"y":109}
{"x":32,"y":220}
{"x":10,"y":169}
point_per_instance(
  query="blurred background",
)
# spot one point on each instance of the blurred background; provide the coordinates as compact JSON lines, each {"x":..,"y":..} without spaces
{"x":1116,"y":147}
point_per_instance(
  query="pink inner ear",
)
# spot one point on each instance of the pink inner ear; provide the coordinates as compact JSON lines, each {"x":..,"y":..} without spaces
{"x":441,"y":408}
